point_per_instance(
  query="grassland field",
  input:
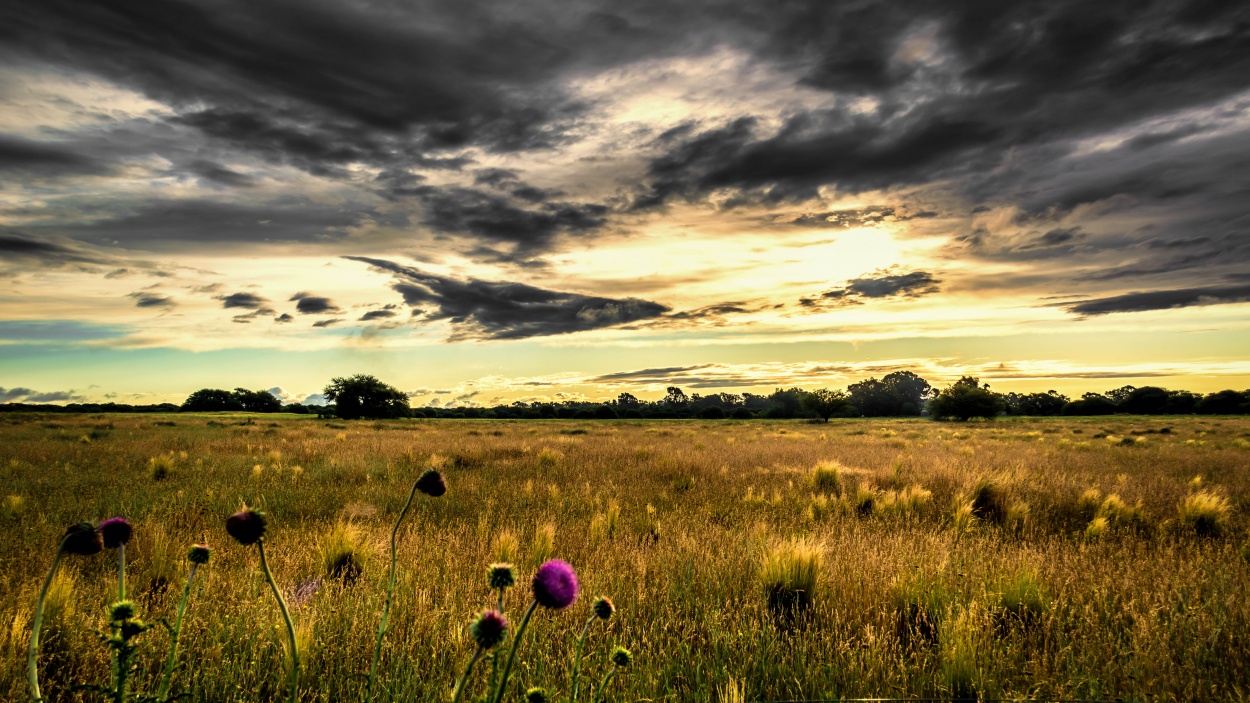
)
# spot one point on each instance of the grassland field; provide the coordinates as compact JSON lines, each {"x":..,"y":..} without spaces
{"x":1097,"y":558}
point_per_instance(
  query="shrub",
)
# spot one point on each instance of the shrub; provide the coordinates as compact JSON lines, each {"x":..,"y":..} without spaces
{"x":791,"y":576}
{"x":342,"y":552}
{"x":827,"y":477}
{"x":988,"y":502}
{"x":1205,"y":514}
{"x":712,"y":412}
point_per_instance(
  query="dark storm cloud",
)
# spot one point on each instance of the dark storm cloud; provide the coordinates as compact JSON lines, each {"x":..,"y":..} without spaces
{"x":151,"y":300}
{"x":1162,"y":300}
{"x":249,"y":301}
{"x":167,"y":224}
{"x":35,"y":158}
{"x":27,"y":395}
{"x":310,"y":304}
{"x":530,"y":226}
{"x":15,"y":246}
{"x":327,"y":323}
{"x":915,"y":284}
{"x":377,"y":315}
{"x":503,"y":310}
{"x":284,"y":318}
{"x":216,"y":174}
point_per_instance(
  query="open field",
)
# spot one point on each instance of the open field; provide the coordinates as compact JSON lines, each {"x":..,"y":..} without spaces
{"x":920,"y":589}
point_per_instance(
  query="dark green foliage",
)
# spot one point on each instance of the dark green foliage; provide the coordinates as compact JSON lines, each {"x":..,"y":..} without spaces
{"x":824,"y":403}
{"x":365,"y":397}
{"x":966,"y":399}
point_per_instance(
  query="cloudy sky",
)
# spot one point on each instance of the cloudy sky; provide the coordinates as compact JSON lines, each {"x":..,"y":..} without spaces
{"x":532,"y":199}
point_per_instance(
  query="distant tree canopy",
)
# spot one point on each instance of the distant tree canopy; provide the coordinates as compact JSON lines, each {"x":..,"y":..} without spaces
{"x":898,"y":393}
{"x":824,"y":403}
{"x":965,"y":399}
{"x":363,"y":396}
{"x":216,"y":399}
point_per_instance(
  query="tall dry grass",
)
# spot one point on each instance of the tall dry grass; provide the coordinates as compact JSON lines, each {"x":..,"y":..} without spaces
{"x":1012,"y":599}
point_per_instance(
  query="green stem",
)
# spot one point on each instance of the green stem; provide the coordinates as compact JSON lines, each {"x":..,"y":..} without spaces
{"x":464,"y":678}
{"x":603,"y":684}
{"x":123,"y":671}
{"x":516,"y":642}
{"x":293,"y":683}
{"x":32,"y":655}
{"x":121,"y":572}
{"x":390,"y":591}
{"x":168,"y":674}
{"x":577,"y":658}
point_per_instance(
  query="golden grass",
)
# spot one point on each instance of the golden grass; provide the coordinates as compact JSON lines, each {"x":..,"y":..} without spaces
{"x":671,"y":520}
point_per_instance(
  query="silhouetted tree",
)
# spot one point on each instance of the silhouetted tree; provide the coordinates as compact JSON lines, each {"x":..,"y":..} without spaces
{"x":965,"y":399}
{"x":825,"y":403}
{"x":211,"y":400}
{"x":257,"y":401}
{"x":1091,"y":404}
{"x":1048,"y":403}
{"x":1224,"y":403}
{"x":363,"y":396}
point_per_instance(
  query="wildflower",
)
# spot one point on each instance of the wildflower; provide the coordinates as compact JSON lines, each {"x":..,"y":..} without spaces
{"x":246,"y":526}
{"x":122,"y":610}
{"x":431,"y":483}
{"x":621,"y":657}
{"x":536,"y":695}
{"x":555,"y":585}
{"x":603,"y":608}
{"x":488,"y":629}
{"x":83,"y":539}
{"x":115,"y":532}
{"x":501,"y":576}
{"x":199,"y":554}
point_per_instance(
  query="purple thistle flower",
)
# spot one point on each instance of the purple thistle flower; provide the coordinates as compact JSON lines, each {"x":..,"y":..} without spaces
{"x":488,"y":629}
{"x":246,"y":526}
{"x":555,"y":585}
{"x":83,"y":539}
{"x":115,"y":531}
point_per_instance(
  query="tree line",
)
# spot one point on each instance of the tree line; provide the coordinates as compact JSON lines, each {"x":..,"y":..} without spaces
{"x":898,"y":394}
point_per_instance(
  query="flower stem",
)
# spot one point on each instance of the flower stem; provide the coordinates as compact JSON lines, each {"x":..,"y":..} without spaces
{"x":293,"y":683}
{"x":464,"y":678}
{"x":168,"y":674}
{"x":32,"y":656}
{"x":390,"y":591}
{"x":577,"y":658}
{"x":603,"y":684}
{"x":516,"y":642}
{"x":121,"y":572}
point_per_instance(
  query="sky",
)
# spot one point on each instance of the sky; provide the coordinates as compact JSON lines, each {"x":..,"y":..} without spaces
{"x":483,"y":202}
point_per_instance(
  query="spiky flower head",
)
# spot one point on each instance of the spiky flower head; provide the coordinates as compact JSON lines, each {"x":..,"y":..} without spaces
{"x":122,"y":610}
{"x":536,"y":695}
{"x":555,"y":585}
{"x":199,"y":554}
{"x":603,"y":608}
{"x":432,"y":484}
{"x":246,"y":526}
{"x":501,"y":576}
{"x":83,"y":539}
{"x":621,"y":657}
{"x":115,"y":531}
{"x":132,"y":628}
{"x":488,"y":629}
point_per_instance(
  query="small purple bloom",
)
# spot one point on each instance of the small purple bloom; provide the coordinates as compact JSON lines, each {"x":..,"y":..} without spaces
{"x":555,"y":585}
{"x":115,"y":531}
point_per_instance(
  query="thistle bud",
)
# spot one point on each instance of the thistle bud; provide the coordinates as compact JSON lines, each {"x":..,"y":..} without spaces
{"x":115,"y":531}
{"x":132,"y":628}
{"x":501,"y":576}
{"x":621,"y":657}
{"x":246,"y":526}
{"x":83,"y":539}
{"x":536,"y":695}
{"x":555,"y":585}
{"x":432,"y":484}
{"x":199,"y":554}
{"x":603,"y":608}
{"x":488,"y":629}
{"x":121,"y":610}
